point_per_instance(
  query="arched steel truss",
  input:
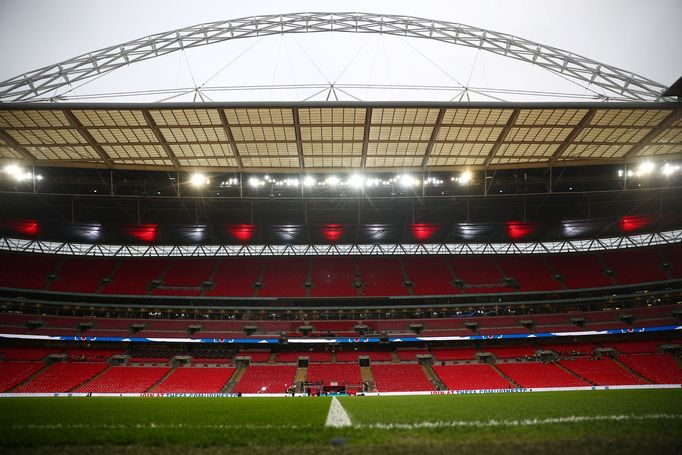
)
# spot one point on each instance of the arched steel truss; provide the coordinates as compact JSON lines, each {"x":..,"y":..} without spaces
{"x":562,"y":246}
{"x":617,"y":81}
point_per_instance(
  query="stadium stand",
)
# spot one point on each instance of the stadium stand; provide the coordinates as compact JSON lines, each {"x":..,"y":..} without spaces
{"x":82,"y":275}
{"x":381,"y":276}
{"x":374,"y":356}
{"x":400,"y":377}
{"x":284,"y":277}
{"x":334,"y":374}
{"x":635,"y":266}
{"x":195,"y":380}
{"x":62,"y":377}
{"x":658,"y":368}
{"x":135,"y":276}
{"x":266,"y":379}
{"x":26,"y":271}
{"x":535,"y":374}
{"x":429,"y":275}
{"x":120,"y":379}
{"x":479,"y":273}
{"x":256,"y":356}
{"x":235,"y":277}
{"x":530,"y":272}
{"x":13,"y":373}
{"x":601,"y":371}
{"x":313,"y":356}
{"x":471,"y":377}
{"x":333,"y":277}
{"x":342,"y":276}
{"x":579,"y":270}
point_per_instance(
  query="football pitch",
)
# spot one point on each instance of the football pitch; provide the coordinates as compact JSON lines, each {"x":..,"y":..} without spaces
{"x":616,"y":421}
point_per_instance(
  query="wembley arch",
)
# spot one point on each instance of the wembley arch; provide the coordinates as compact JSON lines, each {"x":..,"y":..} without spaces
{"x":34,"y":85}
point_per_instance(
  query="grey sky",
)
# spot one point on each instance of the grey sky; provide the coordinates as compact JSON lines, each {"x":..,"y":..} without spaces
{"x":640,"y":36}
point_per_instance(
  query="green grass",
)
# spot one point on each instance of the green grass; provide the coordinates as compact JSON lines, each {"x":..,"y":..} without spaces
{"x":296,"y":425}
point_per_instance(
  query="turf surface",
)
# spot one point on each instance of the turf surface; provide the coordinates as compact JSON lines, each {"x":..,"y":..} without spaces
{"x":624,"y":421}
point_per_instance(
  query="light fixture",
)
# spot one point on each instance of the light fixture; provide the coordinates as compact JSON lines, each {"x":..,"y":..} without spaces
{"x":308,"y":181}
{"x":465,"y":178}
{"x":669,"y":169}
{"x":356,"y":181}
{"x":645,"y":168}
{"x":332,"y":180}
{"x":406,"y":180}
{"x":198,"y":180}
{"x":17,"y":173}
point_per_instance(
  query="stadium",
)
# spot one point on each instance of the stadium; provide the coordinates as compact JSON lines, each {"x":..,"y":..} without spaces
{"x":271,"y":265}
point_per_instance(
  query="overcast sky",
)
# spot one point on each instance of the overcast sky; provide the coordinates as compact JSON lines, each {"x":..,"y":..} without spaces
{"x":644,"y":37}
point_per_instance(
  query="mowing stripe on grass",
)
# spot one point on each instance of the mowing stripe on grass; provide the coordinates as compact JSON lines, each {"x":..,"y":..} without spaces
{"x":337,"y":416}
{"x":347,"y":422}
{"x":517,"y":423}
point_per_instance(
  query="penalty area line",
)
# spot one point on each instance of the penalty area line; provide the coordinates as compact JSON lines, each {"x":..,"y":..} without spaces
{"x":337,"y":416}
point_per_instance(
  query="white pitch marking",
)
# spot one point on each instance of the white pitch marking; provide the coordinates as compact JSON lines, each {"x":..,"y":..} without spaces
{"x":517,"y":423}
{"x":337,"y":416}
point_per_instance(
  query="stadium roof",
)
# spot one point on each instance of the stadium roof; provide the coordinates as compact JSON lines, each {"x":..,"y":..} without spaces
{"x":310,"y":137}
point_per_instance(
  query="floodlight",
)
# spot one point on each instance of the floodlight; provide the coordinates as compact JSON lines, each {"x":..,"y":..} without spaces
{"x":197,"y":180}
{"x":669,"y":169}
{"x":645,"y":168}
{"x":465,"y":178}
{"x":356,"y":181}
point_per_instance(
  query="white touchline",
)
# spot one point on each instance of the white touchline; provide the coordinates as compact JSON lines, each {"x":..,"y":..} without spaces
{"x":517,"y":423}
{"x":337,"y":416}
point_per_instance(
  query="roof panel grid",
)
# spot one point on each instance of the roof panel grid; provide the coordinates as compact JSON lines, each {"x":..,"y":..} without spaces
{"x":332,"y":161}
{"x":594,"y":151}
{"x":186,"y":117}
{"x":206,"y":134}
{"x":526,"y":159}
{"x":414,"y":116}
{"x":67,"y":153}
{"x":435,"y":161}
{"x":629,"y":117}
{"x":537,"y":134}
{"x":399,"y":133}
{"x":524,"y":151}
{"x":326,"y":116}
{"x":454,"y":149}
{"x":135,"y":151}
{"x":658,"y":149}
{"x":208,"y":162}
{"x":260,"y":133}
{"x":550,"y":117}
{"x":396,"y":148}
{"x":123,"y":136}
{"x":255,"y":149}
{"x":619,"y":135}
{"x":476,"y":116}
{"x":271,"y":162}
{"x":145,"y":162}
{"x":332,"y":148}
{"x":392,"y":161}
{"x":457,"y":134}
{"x":201,"y":150}
{"x":110,"y":117}
{"x":47,"y":137}
{"x":259,"y":116}
{"x":328,"y":133}
{"x":8,"y":152}
{"x":669,"y":136}
{"x":33,"y":118}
